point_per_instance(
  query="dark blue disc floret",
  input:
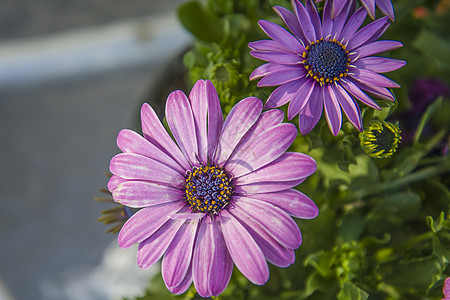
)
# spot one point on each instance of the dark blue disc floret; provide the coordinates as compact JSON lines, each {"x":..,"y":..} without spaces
{"x":208,"y":189}
{"x":326,"y":60}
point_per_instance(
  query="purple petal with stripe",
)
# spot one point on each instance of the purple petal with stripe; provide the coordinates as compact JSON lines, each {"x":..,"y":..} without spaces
{"x":145,"y":222}
{"x":290,"y":166}
{"x":260,"y":150}
{"x":142,"y":194}
{"x":153,"y":248}
{"x":286,"y":58}
{"x":243,"y":249}
{"x":365,"y":33}
{"x":198,"y":99}
{"x":356,"y":92}
{"x":300,"y":98}
{"x":333,"y":111}
{"x":377,"y":47}
{"x":273,"y":220}
{"x":327,"y":22}
{"x":270,"y":68}
{"x":134,"y":166}
{"x":283,"y":94}
{"x":291,"y":21}
{"x":379,"y":64}
{"x":211,"y":264}
{"x":282,"y":77}
{"x":181,"y":123}
{"x":377,"y":91}
{"x":379,"y":33}
{"x":315,"y":19}
{"x":114,"y":182}
{"x":353,"y":24}
{"x":265,"y":187}
{"x":373,"y":78}
{"x":184,"y":285}
{"x":177,"y":260}
{"x":240,"y":119}
{"x":155,"y":133}
{"x":370,"y":7}
{"x":350,"y":108}
{"x":291,"y":201}
{"x":280,"y":35}
{"x":312,"y":111}
{"x":337,"y":7}
{"x":305,"y":21}
{"x":340,"y":19}
{"x":385,"y":6}
{"x":215,"y":119}
{"x":131,"y":142}
{"x":267,"y":45}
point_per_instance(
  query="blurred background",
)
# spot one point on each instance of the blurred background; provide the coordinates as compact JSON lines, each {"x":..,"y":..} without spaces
{"x":69,"y":71}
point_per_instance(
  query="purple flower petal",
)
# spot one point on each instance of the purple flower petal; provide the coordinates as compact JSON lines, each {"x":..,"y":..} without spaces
{"x":211,"y":264}
{"x":273,"y":220}
{"x":379,"y":33}
{"x":141,"y":194}
{"x":350,"y":108}
{"x":300,"y":98}
{"x":291,"y":21}
{"x":269,"y":68}
{"x":184,"y":285}
{"x":380,"y":92}
{"x":155,"y":133}
{"x":288,"y":167}
{"x":177,"y":260}
{"x":373,"y":78}
{"x":377,"y":47}
{"x":215,"y":119}
{"x":365,"y":33}
{"x":240,"y":119}
{"x":199,"y":102}
{"x":370,"y":7}
{"x":286,"y":58}
{"x":267,"y":45}
{"x":134,"y":166}
{"x":246,"y":254}
{"x":379,"y":64}
{"x":114,"y":182}
{"x":333,"y":111}
{"x":327,"y":22}
{"x":131,"y":142}
{"x":280,"y":35}
{"x":304,"y":20}
{"x":181,"y":123}
{"x":283,"y":94}
{"x":265,"y":187}
{"x":260,"y":151}
{"x":145,"y":222}
{"x":312,"y":111}
{"x":337,"y":6}
{"x":356,"y":92}
{"x":341,"y":18}
{"x":385,"y":6}
{"x":282,"y":77}
{"x":153,"y":248}
{"x":315,"y":19}
{"x":353,"y":24}
{"x":291,"y":201}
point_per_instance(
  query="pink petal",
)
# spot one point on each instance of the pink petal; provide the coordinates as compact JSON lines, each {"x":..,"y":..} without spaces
{"x":280,"y":35}
{"x":373,"y":78}
{"x":269,"y":68}
{"x":282,"y":77}
{"x":141,"y":194}
{"x":312,"y":111}
{"x":379,"y":64}
{"x":240,"y":119}
{"x":290,"y":166}
{"x":286,"y":58}
{"x":211,"y":264}
{"x":177,"y":260}
{"x":215,"y":119}
{"x":145,"y":222}
{"x":377,"y":91}
{"x":356,"y":92}
{"x":291,"y":21}
{"x":199,"y":102}
{"x":333,"y":111}
{"x":243,"y":249}
{"x":265,"y":187}
{"x":155,"y":133}
{"x":350,"y":108}
{"x":261,"y":150}
{"x":377,"y":47}
{"x":181,"y":123}
{"x":114,"y":182}
{"x":267,"y":45}
{"x":184,"y":285}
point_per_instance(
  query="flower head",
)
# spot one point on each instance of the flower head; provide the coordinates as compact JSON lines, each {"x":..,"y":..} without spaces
{"x":385,"y":6}
{"x":380,"y":139}
{"x":324,"y":64}
{"x":220,"y":194}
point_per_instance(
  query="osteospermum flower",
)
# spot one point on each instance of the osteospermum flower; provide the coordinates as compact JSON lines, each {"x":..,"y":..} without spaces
{"x":220,"y":194}
{"x":380,"y":139}
{"x":385,"y":6}
{"x":324,"y":64}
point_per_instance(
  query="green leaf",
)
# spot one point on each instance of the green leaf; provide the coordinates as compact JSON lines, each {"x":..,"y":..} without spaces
{"x":352,"y":226}
{"x":429,"y":113}
{"x":351,"y":292}
{"x":200,"y":22}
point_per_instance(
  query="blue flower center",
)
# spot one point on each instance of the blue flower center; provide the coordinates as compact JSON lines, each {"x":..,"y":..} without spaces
{"x":326,"y":60}
{"x":208,"y":189}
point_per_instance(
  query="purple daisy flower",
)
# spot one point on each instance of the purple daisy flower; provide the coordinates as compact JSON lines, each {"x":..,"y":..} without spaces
{"x":220,"y":194}
{"x":385,"y":6}
{"x":324,"y":64}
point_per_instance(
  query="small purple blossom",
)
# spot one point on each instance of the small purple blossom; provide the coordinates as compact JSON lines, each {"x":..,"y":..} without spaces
{"x":220,"y":195}
{"x":385,"y":6}
{"x":324,"y":64}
